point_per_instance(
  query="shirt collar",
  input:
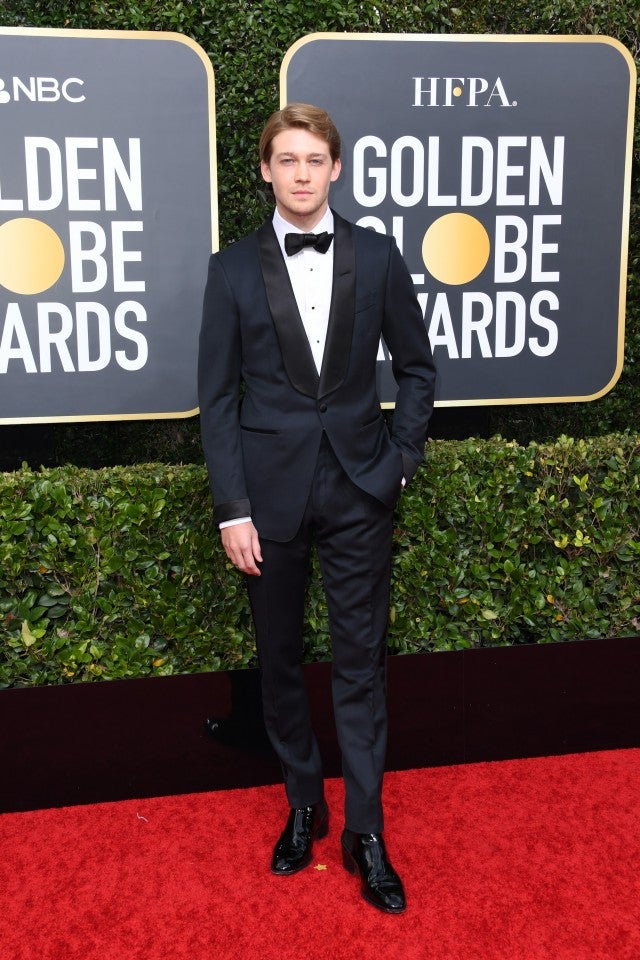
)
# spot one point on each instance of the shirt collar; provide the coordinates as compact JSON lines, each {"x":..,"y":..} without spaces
{"x":282,"y":226}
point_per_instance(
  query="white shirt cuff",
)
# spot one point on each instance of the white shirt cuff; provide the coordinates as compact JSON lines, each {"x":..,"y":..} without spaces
{"x":232,"y":523}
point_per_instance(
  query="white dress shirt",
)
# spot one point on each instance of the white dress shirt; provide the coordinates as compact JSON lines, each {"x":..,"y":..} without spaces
{"x":311,"y":275}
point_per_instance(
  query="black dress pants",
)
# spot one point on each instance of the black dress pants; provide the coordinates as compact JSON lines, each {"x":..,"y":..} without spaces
{"x":352,"y":532}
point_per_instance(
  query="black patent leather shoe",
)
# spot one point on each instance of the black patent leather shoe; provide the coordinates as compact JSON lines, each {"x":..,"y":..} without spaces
{"x":293,"y":850}
{"x":364,"y":854}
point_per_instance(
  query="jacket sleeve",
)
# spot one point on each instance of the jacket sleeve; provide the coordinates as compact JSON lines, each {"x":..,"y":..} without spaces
{"x":219,"y":378}
{"x":412,"y":362}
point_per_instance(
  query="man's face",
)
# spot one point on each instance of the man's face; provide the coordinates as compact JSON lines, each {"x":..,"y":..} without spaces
{"x":301,"y":171}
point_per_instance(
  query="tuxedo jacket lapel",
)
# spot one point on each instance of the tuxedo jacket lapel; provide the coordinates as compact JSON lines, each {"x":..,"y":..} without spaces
{"x":294,"y":345}
{"x":337,"y":351}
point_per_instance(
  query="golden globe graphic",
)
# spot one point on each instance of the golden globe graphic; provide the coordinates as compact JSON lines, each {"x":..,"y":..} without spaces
{"x":456,"y":248}
{"x":107,"y":218}
{"x":501,"y":166}
{"x":31,"y":256}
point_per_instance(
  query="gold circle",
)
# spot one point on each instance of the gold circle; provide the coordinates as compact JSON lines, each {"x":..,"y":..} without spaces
{"x":31,"y":256}
{"x":456,"y":248}
{"x":457,"y":91}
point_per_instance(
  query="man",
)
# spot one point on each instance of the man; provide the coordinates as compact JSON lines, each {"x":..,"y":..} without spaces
{"x":299,"y":452}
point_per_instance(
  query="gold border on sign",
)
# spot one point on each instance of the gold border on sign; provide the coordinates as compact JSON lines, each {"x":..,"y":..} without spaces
{"x":624,"y":240}
{"x":215,"y":240}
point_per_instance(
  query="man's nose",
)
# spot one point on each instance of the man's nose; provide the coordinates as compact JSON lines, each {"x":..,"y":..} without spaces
{"x":302,"y":173}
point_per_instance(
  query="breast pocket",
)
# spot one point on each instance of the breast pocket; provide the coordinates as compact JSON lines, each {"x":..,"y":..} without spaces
{"x":366,"y":301}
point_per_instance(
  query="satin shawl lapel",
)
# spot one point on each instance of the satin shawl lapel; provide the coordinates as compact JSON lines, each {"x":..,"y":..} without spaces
{"x":337,"y":351}
{"x":294,"y":345}
{"x":296,"y":352}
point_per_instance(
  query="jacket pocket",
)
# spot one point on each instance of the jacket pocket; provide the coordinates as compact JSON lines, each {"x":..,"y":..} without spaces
{"x":260,"y":430}
{"x":372,"y":420}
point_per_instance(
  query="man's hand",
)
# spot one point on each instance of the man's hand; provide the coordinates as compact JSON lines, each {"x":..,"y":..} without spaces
{"x":242,"y":546}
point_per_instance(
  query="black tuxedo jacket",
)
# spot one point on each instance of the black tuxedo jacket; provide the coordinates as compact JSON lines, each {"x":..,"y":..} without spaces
{"x":263,"y":406}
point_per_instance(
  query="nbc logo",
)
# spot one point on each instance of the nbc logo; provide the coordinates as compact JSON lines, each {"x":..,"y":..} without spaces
{"x":41,"y":90}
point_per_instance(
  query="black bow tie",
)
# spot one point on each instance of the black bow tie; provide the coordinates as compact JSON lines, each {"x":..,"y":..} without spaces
{"x":295,"y":242}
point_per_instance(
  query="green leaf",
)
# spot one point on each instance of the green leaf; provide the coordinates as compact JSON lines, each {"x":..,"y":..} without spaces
{"x":28,"y":638}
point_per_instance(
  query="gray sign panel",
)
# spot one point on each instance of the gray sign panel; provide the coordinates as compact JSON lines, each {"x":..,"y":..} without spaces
{"x":107,"y":217}
{"x":501,"y":165}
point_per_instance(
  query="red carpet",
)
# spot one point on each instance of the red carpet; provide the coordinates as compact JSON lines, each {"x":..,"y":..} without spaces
{"x":518,"y":860}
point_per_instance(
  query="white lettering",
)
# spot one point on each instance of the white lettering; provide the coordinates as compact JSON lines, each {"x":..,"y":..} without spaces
{"x":120,"y":322}
{"x":467,"y":197}
{"x":48,"y":89}
{"x":35,"y":200}
{"x":128,"y":176}
{"x":431,"y":91}
{"x":81,"y":254}
{"x":14,"y":325}
{"x":536,"y":347}
{"x":65,"y":90}
{"x":76,"y":173}
{"x":48,"y":338}
{"x":539,"y":249}
{"x":513,"y":247}
{"x":541,"y":168}
{"x":434,"y":199}
{"x":477,"y":85}
{"x":504,"y":299}
{"x":477,"y":327}
{"x":29,"y":92}
{"x":416,"y":151}
{"x":441,"y":333}
{"x":506,"y":171}
{"x":376,"y":174}
{"x":84,"y":311}
{"x":487,"y":171}
{"x":122,"y":256}
{"x":499,"y":92}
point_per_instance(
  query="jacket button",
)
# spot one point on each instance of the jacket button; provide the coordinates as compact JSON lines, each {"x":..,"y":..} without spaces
{"x":323,"y":408}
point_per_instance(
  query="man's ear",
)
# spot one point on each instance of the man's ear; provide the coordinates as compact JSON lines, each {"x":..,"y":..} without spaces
{"x":335,"y":171}
{"x":265,"y":171}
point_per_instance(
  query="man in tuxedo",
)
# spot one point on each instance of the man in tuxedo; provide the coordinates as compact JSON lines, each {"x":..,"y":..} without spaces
{"x":298,"y":453}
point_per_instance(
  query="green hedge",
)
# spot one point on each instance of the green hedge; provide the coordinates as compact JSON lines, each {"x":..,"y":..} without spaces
{"x":119,"y":572}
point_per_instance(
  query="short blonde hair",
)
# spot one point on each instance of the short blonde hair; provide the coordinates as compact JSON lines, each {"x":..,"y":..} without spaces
{"x":303,"y":116}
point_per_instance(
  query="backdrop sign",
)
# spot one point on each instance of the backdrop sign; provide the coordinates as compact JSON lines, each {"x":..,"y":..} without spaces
{"x":501,"y":165}
{"x":107,"y":218}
